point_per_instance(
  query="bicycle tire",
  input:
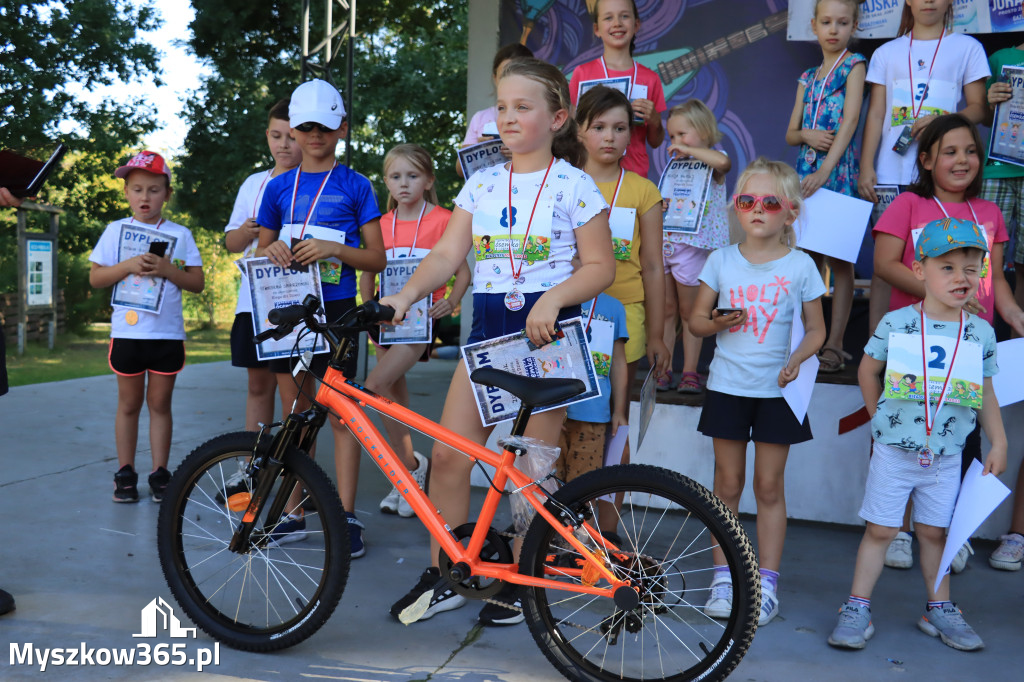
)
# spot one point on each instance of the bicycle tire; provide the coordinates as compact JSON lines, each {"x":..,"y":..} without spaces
{"x":266,"y":598}
{"x":666,"y":524}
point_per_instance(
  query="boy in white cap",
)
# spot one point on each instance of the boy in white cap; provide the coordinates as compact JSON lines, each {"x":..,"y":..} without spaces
{"x":330,"y":214}
{"x":148,"y":261}
{"x":919,"y":424}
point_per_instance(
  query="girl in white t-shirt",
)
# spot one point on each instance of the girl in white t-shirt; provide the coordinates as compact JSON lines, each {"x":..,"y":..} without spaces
{"x":749,"y":294}
{"x":524,"y":279}
{"x":923,"y":73}
{"x":149,"y":261}
{"x":413,"y":224}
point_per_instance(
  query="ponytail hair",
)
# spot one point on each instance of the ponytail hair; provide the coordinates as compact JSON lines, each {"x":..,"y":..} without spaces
{"x":907,"y":20}
{"x":420,"y":159}
{"x":566,"y":144}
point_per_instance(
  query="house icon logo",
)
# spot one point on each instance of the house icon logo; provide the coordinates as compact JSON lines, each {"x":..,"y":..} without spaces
{"x":158,"y":615}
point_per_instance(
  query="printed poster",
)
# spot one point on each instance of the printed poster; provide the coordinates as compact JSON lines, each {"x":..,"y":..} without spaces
{"x":271,"y":286}
{"x":684,"y":184}
{"x":480,"y":155}
{"x":1006,"y":142}
{"x":903,"y":370}
{"x":40,"y":272}
{"x":140,"y":292}
{"x":881,"y":18}
{"x":566,"y":357}
{"x":417,"y":326}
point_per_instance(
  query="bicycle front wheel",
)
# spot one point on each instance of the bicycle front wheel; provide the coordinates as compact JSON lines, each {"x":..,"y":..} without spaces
{"x":269,"y":595}
{"x":666,"y":527}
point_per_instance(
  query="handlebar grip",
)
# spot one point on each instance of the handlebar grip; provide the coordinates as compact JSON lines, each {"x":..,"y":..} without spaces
{"x":375,"y":312}
{"x":289,"y":315}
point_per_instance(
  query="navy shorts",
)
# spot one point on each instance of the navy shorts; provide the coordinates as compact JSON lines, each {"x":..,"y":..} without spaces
{"x":762,"y":420}
{"x":334,"y":310}
{"x":132,"y":357}
{"x":492,"y":319}
{"x":243,"y":347}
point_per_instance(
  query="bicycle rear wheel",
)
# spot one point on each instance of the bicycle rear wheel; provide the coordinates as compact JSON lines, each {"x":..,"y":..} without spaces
{"x":265,"y":597}
{"x":667,"y":525}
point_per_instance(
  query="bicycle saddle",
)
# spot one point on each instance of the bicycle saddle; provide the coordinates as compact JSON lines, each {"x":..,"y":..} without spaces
{"x":532,"y":391}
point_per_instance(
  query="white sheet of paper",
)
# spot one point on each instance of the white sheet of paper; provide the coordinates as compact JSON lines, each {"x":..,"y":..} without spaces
{"x":979,"y":497}
{"x":798,"y":392}
{"x":615,"y":446}
{"x":833,"y":224}
{"x":1006,"y":383}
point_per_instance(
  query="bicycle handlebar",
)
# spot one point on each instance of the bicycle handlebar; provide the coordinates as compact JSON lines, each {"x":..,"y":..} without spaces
{"x":357,"y":319}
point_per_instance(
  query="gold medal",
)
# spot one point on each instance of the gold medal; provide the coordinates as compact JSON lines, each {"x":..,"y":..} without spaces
{"x":131,"y":317}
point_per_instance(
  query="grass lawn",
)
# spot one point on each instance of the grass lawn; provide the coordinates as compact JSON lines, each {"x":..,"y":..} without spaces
{"x":75,"y":356}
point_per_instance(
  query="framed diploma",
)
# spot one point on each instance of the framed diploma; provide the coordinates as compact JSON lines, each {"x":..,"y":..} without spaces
{"x":567,"y":357}
{"x":140,"y":292}
{"x":271,"y":286}
{"x":417,"y":327}
{"x":1006,"y":142}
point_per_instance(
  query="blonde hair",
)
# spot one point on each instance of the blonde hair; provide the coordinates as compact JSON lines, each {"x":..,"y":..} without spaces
{"x":852,"y":4}
{"x":566,"y":143}
{"x":420,"y":160}
{"x":700,"y":117}
{"x":787,"y":186}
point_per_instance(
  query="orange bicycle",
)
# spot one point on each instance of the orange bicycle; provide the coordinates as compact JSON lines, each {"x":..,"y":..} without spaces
{"x":631,"y":609}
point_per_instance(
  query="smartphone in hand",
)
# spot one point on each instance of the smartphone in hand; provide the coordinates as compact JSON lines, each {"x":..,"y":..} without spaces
{"x":159,"y":248}
{"x":728,"y":311}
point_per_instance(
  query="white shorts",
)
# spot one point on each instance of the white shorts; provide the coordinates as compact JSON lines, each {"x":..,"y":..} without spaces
{"x":896,"y":476}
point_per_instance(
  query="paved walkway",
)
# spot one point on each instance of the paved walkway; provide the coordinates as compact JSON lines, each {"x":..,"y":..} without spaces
{"x":82,"y":568}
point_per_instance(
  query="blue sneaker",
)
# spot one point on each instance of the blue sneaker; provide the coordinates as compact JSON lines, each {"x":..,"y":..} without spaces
{"x":288,"y":530}
{"x":355,"y":535}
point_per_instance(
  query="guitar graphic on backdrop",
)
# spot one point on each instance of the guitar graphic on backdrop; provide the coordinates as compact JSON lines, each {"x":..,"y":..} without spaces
{"x":677,"y":67}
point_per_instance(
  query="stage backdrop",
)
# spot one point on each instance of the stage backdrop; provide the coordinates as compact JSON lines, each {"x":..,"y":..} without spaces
{"x":731,"y":54}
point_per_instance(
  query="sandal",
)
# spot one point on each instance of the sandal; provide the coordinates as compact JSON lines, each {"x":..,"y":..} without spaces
{"x":689,"y":383}
{"x":831,"y":361}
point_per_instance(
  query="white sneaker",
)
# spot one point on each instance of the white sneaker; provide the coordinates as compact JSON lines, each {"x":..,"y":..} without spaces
{"x":899,"y":554}
{"x":719,"y":604}
{"x":419,"y":474}
{"x":393,"y":502}
{"x":769,"y":605}
{"x":1009,"y":554}
{"x":960,"y":560}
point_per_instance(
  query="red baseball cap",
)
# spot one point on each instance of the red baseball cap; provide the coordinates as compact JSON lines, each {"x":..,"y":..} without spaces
{"x":151,"y":162}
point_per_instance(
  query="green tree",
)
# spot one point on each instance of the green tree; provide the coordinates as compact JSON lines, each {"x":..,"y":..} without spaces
{"x":410,"y":73}
{"x":53,"y":55}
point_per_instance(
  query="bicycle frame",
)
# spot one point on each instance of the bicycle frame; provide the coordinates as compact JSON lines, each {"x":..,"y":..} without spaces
{"x":345,"y":398}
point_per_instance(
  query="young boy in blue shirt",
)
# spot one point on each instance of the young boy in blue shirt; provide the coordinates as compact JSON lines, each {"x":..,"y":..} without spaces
{"x":918,"y":442}
{"x":326,"y":209}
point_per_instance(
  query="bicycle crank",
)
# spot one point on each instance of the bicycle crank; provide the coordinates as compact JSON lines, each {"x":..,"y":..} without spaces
{"x":495,"y":550}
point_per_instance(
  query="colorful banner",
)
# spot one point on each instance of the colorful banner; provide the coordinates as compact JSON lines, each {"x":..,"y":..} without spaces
{"x":881,"y":18}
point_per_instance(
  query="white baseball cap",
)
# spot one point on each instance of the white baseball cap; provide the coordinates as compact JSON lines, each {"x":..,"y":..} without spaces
{"x":316,"y":101}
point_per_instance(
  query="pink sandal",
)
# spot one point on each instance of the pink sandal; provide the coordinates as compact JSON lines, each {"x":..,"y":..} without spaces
{"x":689,"y":383}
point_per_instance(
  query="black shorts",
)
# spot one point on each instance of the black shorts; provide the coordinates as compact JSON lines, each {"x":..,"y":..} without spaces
{"x":492,"y":319}
{"x":243,"y":348}
{"x":762,"y":420}
{"x":334,"y":310}
{"x":132,"y":357}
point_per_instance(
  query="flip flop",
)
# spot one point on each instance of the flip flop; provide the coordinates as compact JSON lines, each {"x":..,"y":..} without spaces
{"x":831,"y":361}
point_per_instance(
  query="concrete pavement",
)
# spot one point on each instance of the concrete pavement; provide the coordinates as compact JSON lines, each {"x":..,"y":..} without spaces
{"x":81,"y":568}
